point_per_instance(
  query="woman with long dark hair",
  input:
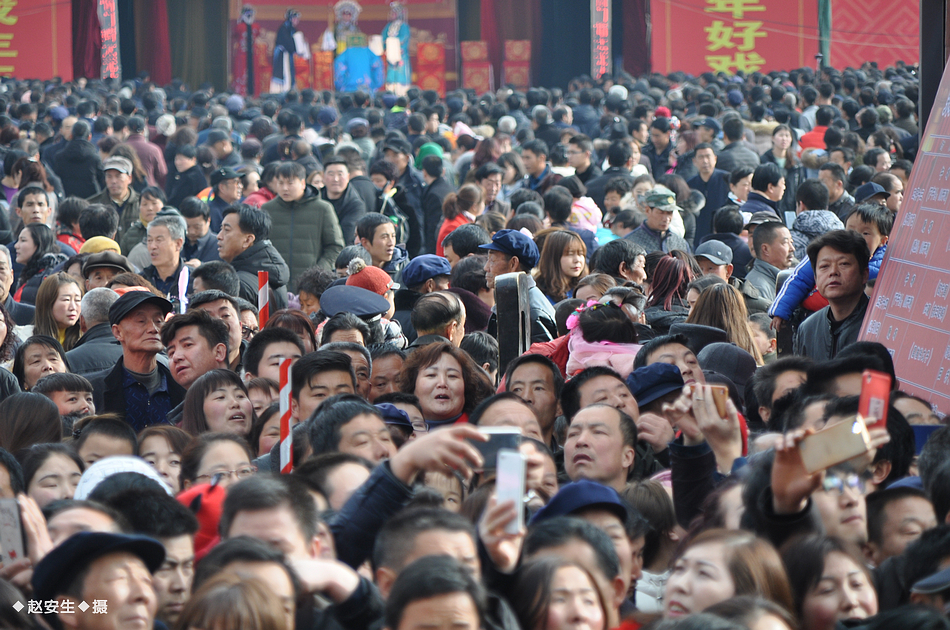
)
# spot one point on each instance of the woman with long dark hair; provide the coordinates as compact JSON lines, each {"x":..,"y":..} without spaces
{"x":563,"y":263}
{"x":667,"y":301}
{"x":57,"y":309}
{"x":783,"y":155}
{"x":37,"y":250}
{"x":722,"y":306}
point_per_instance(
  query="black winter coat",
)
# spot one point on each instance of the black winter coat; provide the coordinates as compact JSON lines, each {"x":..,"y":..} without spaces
{"x":80,"y":169}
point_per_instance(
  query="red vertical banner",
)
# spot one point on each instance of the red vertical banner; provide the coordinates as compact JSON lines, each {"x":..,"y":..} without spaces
{"x":601,"y":61}
{"x":109,"y":21}
{"x":908,"y":310}
{"x":697,"y":36}
{"x":36,"y":40}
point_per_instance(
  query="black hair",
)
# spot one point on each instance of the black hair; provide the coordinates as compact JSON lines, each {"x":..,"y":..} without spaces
{"x":19,"y":360}
{"x":98,"y":220}
{"x":482,"y":347}
{"x":240,"y":549}
{"x":251,"y":220}
{"x":62,"y":382}
{"x":813,"y":194}
{"x":265,"y":491}
{"x":109,"y":425}
{"x":220,"y":276}
{"x":466,"y":239}
{"x":345,"y":321}
{"x":254,"y":353}
{"x":432,"y":165}
{"x":32,"y":458}
{"x":12,"y":466}
{"x":561,"y":530}
{"x":538,"y":147}
{"x":728,"y":220}
{"x":315,"y":281}
{"x":337,"y":411}
{"x":765,"y":175}
{"x":314,"y":363}
{"x":874,"y":214}
{"x":69,"y":210}
{"x":396,"y":539}
{"x":434,"y":312}
{"x":193,"y":208}
{"x":612,"y":254}
{"x":765,"y":377}
{"x":656,"y":343}
{"x":213,"y":330}
{"x":570,"y":393}
{"x":430,"y":577}
{"x":152,"y":513}
{"x":765,"y":233}
{"x":366,"y":226}
{"x":877,"y":503}
{"x":526,"y":359}
{"x":316,"y":471}
{"x":844,"y":241}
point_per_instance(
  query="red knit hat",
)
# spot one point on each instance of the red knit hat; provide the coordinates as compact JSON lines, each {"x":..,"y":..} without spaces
{"x":368,"y":277}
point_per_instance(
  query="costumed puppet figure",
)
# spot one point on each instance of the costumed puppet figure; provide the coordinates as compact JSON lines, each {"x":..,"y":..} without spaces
{"x":358,"y":68}
{"x":347,"y":14}
{"x":289,"y":42}
{"x":241,"y":49}
{"x":396,"y":37}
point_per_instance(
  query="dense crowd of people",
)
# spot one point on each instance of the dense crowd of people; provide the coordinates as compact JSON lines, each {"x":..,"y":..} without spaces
{"x":697,"y":255}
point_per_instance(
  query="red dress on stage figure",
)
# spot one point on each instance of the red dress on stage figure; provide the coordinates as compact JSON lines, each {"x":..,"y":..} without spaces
{"x":239,"y":50}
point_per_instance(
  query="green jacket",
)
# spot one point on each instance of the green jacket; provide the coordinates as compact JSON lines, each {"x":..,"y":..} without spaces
{"x":128,"y":213}
{"x":134,"y":235}
{"x":305,"y":232}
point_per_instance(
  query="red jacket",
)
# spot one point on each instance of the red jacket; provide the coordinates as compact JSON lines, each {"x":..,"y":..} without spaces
{"x":814,"y":139}
{"x":260,"y":197}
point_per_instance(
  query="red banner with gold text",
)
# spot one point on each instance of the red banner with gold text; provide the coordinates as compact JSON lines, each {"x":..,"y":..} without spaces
{"x":697,"y":36}
{"x":36,"y":39}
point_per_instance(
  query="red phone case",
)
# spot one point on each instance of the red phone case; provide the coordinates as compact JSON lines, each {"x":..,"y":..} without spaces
{"x":875,"y":396}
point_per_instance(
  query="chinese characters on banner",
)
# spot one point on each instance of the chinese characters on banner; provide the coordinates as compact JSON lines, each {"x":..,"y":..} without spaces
{"x":36,"y":41}
{"x":908,"y":310}
{"x":697,"y":36}
{"x":600,"y":58}
{"x":109,"y":22}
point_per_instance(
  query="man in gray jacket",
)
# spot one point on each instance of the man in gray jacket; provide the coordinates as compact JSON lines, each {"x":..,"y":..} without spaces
{"x":840,"y":260}
{"x":97,"y":349}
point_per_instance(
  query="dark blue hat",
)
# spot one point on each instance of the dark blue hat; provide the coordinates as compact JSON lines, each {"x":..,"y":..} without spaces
{"x":514,"y":243}
{"x":394,"y":415}
{"x":398,"y":145}
{"x":710,"y":122}
{"x":580,"y":495}
{"x":59,"y":568}
{"x":349,"y":299}
{"x":423,"y":267}
{"x":653,"y":381}
{"x":868,"y":190}
{"x":131,"y":300}
{"x":936,"y":583}
{"x":699,"y":336}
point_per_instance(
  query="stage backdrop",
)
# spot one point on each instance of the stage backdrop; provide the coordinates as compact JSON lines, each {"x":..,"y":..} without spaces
{"x":697,"y":36}
{"x":908,"y":311}
{"x":884,"y":31}
{"x":430,"y":21}
{"x":36,"y":40}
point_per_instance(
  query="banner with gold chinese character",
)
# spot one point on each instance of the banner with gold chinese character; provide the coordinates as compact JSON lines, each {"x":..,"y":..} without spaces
{"x":697,"y":36}
{"x":36,"y":40}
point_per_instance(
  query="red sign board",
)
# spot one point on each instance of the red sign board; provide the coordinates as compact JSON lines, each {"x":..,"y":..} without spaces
{"x":884,"y":31}
{"x":600,"y":56}
{"x":908,"y":311}
{"x":697,"y":36}
{"x":36,"y":40}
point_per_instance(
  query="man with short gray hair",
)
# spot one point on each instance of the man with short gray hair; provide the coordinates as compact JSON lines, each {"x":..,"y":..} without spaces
{"x":166,"y":237}
{"x":97,"y":349}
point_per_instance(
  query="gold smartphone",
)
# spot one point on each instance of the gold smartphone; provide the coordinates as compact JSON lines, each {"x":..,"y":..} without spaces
{"x":720,"y":393}
{"x":835,"y":444}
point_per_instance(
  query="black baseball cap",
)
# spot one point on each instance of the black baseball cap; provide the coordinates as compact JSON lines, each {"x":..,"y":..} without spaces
{"x":131,"y":300}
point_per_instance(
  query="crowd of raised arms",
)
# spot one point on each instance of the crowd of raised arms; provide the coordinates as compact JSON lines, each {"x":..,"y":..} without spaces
{"x":697,"y":254}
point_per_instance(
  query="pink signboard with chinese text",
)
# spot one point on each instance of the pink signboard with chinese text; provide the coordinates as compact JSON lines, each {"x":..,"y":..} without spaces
{"x":600,"y":55}
{"x":908,"y":311}
{"x":697,"y":36}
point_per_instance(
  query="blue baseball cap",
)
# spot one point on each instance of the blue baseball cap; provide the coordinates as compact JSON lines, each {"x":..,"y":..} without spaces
{"x":393,"y":415}
{"x":423,"y":267}
{"x":653,"y":381}
{"x":514,"y":243}
{"x":349,"y":299}
{"x":581,"y":495}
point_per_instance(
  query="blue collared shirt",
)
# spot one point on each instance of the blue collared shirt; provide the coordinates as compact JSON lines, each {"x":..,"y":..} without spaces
{"x":141,"y":409}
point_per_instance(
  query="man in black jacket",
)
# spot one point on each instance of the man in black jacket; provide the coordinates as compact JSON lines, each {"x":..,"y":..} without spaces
{"x":243,"y":242}
{"x":436,"y":190}
{"x":21,"y":312}
{"x":840,"y":260}
{"x":187,"y":180}
{"x":138,"y":388}
{"x":620,"y":160}
{"x":79,"y":165}
{"x":97,"y":349}
{"x":346,"y":201}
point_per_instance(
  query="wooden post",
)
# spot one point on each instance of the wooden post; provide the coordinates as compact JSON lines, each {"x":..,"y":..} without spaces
{"x":514,"y":317}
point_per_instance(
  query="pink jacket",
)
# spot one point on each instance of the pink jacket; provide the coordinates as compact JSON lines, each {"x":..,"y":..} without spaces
{"x":586,"y":214}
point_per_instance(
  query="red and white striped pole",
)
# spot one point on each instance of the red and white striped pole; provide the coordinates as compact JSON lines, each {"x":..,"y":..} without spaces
{"x":286,"y":434}
{"x":263,"y":298}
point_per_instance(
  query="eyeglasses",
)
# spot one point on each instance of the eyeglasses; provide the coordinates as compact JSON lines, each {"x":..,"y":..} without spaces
{"x":852,"y":482}
{"x":248,"y":333}
{"x":221,"y":475}
{"x":420,"y":427}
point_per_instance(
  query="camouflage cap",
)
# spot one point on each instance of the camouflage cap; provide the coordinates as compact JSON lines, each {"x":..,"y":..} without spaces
{"x":661,"y":198}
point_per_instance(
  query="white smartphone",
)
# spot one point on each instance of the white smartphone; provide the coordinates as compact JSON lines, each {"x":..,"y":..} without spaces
{"x":509,"y":484}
